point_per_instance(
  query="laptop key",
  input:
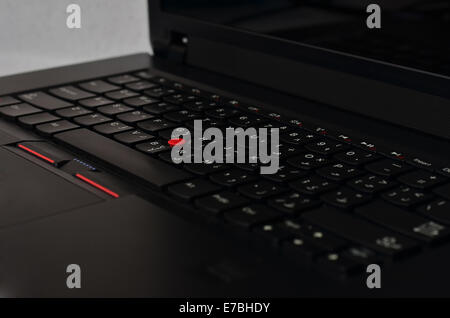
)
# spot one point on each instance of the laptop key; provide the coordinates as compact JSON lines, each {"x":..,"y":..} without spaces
{"x":232,"y":177}
{"x":388,"y":167}
{"x":297,"y":137}
{"x":140,"y":85}
{"x":345,"y":198}
{"x":313,"y":185}
{"x":55,"y":127}
{"x":204,"y":168}
{"x":17,"y":110}
{"x":293,"y":202}
{"x":121,"y":94}
{"x":140,"y":101}
{"x":180,"y":99}
{"x":371,"y":184}
{"x":98,"y":86}
{"x":153,"y":147}
{"x":338,"y":264}
{"x":159,"y":92}
{"x":421,"y":179}
{"x":261,"y":189}
{"x":122,"y":79}
{"x":92,"y":119}
{"x":406,"y":196}
{"x":221,"y":113}
{"x":181,"y":116}
{"x":74,"y":111}
{"x":8,"y":100}
{"x":71,"y":93}
{"x":361,"y":231}
{"x":113,"y":127}
{"x":154,"y":125}
{"x":438,"y":210}
{"x":95,"y":102}
{"x":160,"y":108}
{"x":134,"y":116}
{"x":200,"y":105}
{"x":114,"y":109}
{"x":153,"y":171}
{"x":44,"y":100}
{"x":220,"y":202}
{"x":339,"y":172}
{"x":132,"y":137}
{"x":443,"y":191}
{"x":308,"y":161}
{"x":36,"y":119}
{"x":251,"y":215}
{"x":326,"y":146}
{"x":191,"y":189}
{"x":285,"y":173}
{"x":404,"y":222}
{"x":356,"y":157}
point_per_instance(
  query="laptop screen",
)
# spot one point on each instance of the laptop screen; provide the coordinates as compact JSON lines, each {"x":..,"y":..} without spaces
{"x":410,"y":33}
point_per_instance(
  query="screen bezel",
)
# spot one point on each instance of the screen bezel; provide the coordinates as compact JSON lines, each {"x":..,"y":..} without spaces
{"x":162,"y":24}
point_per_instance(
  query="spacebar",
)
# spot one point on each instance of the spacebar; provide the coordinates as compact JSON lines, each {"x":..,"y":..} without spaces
{"x":155,"y":172}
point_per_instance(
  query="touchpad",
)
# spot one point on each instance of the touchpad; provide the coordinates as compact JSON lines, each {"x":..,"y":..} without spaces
{"x":28,"y":191}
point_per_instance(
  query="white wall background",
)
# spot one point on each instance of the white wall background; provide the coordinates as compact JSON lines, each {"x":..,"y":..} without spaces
{"x":34,"y":35}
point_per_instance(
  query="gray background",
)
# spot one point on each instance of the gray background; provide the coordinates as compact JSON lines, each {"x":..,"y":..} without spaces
{"x":34,"y":35}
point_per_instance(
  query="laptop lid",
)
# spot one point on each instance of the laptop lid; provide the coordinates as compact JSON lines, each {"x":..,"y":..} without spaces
{"x":327,"y":51}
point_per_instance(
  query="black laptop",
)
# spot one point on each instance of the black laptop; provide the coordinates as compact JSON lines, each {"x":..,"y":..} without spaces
{"x":89,"y":187}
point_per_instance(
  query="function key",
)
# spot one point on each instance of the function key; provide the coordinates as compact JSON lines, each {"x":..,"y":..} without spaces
{"x":71,"y":93}
{"x":132,"y":137}
{"x":123,"y":79}
{"x":140,"y":85}
{"x":73,"y":111}
{"x":17,"y":110}
{"x":121,"y":94}
{"x":421,"y":179}
{"x":56,"y":127}
{"x":44,"y":100}
{"x":98,"y":86}
{"x":388,"y":167}
{"x":8,"y":100}
{"x":95,"y":102}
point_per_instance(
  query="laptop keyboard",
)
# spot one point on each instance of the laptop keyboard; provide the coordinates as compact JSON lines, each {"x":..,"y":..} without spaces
{"x":337,"y":202}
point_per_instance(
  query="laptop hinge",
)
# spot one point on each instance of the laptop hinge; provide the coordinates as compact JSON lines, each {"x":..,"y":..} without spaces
{"x":177,"y":48}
